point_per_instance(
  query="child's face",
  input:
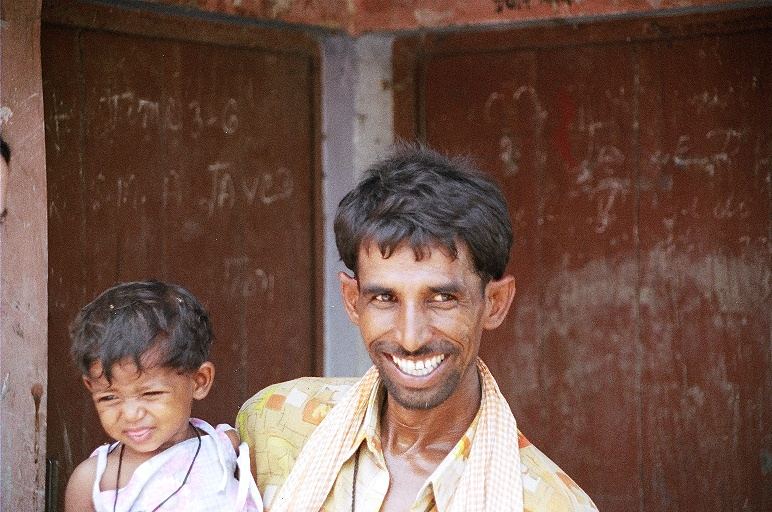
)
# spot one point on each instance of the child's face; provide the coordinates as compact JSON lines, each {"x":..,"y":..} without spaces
{"x":148,"y":411}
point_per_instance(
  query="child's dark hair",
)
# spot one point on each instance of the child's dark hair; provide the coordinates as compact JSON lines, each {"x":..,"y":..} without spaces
{"x":129,"y":319}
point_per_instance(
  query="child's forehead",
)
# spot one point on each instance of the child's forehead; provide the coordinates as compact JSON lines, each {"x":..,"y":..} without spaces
{"x":126,"y":371}
{"x":150,"y":358}
{"x":125,"y":366}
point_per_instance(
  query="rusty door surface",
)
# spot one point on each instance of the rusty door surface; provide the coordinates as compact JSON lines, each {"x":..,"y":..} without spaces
{"x":637,"y":158}
{"x":181,"y":150}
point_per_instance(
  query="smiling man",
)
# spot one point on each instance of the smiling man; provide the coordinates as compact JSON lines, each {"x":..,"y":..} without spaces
{"x":427,"y":240}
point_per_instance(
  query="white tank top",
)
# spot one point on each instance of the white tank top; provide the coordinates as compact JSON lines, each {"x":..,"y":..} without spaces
{"x":211,"y":485}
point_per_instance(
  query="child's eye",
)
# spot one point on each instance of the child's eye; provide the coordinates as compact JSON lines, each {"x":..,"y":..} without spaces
{"x":107,"y":398}
{"x":152,"y":393}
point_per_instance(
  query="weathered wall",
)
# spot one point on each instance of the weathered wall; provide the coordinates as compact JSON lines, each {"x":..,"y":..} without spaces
{"x":635,"y":156}
{"x":357,"y":114}
{"x":23,"y":235}
{"x":23,"y":263}
{"x":182,"y":150}
{"x":359,"y":16}
{"x":388,"y":15}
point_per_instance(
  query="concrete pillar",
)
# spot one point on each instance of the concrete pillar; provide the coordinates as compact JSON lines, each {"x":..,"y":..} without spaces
{"x":357,"y":119}
{"x":23,"y":263}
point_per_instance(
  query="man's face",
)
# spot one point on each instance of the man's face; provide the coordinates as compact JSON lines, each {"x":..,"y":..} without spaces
{"x":421,"y":321}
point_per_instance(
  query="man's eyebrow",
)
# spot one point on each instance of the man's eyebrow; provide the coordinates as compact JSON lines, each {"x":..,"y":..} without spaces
{"x":375,"y":289}
{"x":451,"y":288}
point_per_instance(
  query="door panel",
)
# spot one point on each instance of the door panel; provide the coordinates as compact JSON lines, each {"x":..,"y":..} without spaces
{"x":705,"y":271}
{"x":181,"y":156}
{"x":635,"y":156}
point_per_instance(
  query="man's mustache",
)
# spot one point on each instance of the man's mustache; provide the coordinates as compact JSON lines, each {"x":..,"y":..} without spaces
{"x":433,"y":347}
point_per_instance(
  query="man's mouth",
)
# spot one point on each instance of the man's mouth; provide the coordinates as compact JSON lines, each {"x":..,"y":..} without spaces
{"x":418,"y":367}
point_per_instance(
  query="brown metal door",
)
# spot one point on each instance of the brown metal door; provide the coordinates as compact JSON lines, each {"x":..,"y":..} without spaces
{"x":637,"y":160}
{"x":181,"y":150}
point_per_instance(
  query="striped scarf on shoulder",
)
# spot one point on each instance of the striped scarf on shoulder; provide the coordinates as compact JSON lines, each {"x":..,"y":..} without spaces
{"x":491,"y":481}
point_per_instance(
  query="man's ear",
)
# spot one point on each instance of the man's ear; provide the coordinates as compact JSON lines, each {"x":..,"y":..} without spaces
{"x":203,"y":378}
{"x":498,"y":298}
{"x":349,"y":290}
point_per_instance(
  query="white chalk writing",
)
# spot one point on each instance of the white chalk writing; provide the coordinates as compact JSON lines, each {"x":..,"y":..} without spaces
{"x":126,"y":108}
{"x":243,"y":279}
{"x":230,"y":186}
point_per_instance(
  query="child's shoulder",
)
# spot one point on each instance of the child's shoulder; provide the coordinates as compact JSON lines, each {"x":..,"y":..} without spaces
{"x":221,"y":431}
{"x":87,"y":468}
{"x":79,"y":486}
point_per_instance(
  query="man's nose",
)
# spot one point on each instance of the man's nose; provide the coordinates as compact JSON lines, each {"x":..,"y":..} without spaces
{"x":413,"y":328}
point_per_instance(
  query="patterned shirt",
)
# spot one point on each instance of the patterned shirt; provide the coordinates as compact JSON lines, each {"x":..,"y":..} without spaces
{"x":277,"y":421}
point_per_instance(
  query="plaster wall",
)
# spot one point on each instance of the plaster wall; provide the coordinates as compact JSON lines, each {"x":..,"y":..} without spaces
{"x":23,"y":263}
{"x":361,"y":16}
{"x":357,"y":117}
{"x":357,"y":124}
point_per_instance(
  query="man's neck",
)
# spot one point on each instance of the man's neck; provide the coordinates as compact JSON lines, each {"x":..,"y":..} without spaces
{"x":434,"y":430}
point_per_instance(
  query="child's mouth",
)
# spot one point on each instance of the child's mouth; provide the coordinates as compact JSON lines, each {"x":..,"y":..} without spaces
{"x":138,"y":434}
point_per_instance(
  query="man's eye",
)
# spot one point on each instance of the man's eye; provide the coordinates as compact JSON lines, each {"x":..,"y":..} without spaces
{"x":383,"y":297}
{"x":442,"y":297}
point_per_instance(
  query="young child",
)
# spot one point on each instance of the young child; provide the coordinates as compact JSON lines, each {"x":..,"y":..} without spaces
{"x":143,"y":349}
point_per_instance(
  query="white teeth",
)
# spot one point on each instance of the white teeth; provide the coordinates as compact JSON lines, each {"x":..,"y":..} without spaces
{"x":418,"y":368}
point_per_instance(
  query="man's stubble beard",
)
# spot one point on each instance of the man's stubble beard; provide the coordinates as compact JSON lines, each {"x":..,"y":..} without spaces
{"x":423,"y":399}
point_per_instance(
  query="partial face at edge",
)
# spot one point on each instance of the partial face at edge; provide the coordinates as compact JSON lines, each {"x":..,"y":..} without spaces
{"x":422,"y":321}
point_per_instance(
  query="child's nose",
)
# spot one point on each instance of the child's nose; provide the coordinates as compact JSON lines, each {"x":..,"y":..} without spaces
{"x":133,"y":409}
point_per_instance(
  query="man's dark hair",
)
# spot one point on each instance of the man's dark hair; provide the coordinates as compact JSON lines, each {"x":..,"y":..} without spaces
{"x":129,"y":319}
{"x":419,"y":197}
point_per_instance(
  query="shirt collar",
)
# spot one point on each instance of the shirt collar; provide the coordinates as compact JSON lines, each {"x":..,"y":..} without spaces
{"x":371,"y":426}
{"x":445,"y":477}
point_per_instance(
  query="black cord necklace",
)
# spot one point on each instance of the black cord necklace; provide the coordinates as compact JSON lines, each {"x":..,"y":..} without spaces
{"x":190,"y":468}
{"x":354,"y":482}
